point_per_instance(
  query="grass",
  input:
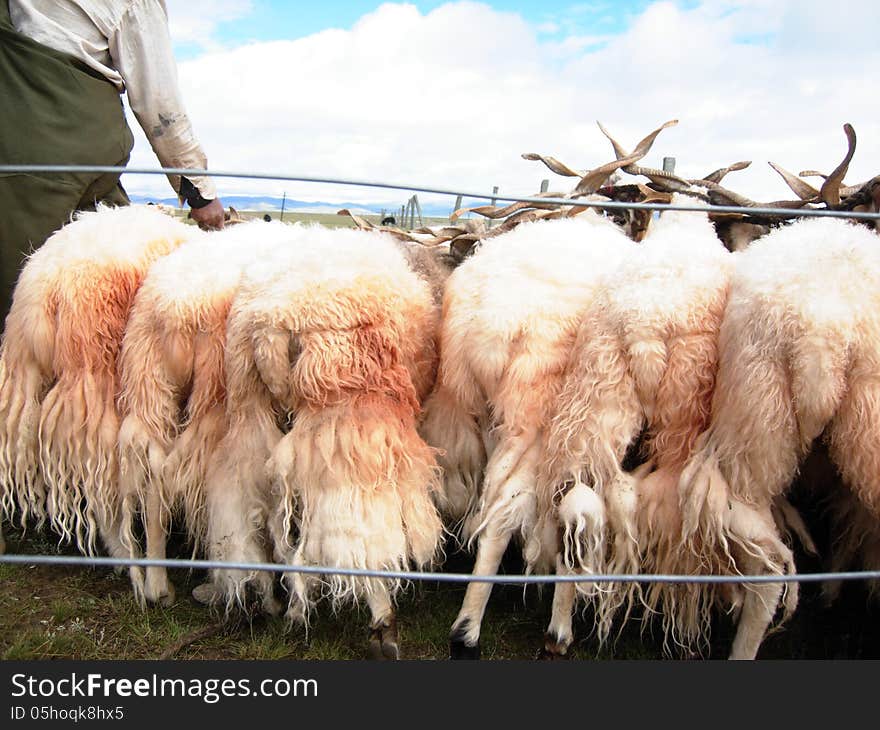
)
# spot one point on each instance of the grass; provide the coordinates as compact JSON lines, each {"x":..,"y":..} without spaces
{"x":330,"y":220}
{"x":49,"y":612}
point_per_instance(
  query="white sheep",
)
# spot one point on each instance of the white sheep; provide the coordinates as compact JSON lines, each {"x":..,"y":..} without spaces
{"x":333,"y":339}
{"x":173,"y":383}
{"x":799,"y":357}
{"x":58,"y":376}
{"x":510,"y":317}
{"x":644,"y":362}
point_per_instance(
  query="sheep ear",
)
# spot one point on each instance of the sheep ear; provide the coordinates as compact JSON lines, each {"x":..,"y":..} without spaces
{"x":233,"y":216}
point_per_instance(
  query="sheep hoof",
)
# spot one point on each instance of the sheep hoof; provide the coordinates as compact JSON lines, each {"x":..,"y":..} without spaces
{"x":207,"y":594}
{"x":271,"y":606}
{"x":383,"y":641}
{"x":831,"y":592}
{"x":458,"y":645}
{"x":164,"y":598}
{"x":297,"y":614}
{"x":136,"y":575}
{"x":554,"y":648}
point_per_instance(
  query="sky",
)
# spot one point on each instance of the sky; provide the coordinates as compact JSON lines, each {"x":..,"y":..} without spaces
{"x":451,"y":94}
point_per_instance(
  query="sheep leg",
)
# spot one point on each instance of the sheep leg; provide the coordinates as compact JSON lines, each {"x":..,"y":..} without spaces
{"x":840,"y":560}
{"x":761,"y":552}
{"x":560,"y":633}
{"x":299,"y":587}
{"x":157,"y":588}
{"x":512,"y":508}
{"x":110,"y":529}
{"x":383,"y":626}
{"x":464,"y":639}
{"x":759,"y":605}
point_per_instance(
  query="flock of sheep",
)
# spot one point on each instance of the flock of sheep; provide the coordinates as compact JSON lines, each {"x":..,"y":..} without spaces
{"x":349,"y":398}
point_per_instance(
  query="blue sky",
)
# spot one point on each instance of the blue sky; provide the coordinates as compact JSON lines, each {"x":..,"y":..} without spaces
{"x":451,"y":94}
{"x":276,"y":19}
{"x":269,"y":20}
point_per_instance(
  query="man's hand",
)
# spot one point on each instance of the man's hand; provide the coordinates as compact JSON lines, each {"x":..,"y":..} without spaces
{"x":210,"y":217}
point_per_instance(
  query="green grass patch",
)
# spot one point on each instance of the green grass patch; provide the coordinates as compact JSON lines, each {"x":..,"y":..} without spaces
{"x":49,"y":612}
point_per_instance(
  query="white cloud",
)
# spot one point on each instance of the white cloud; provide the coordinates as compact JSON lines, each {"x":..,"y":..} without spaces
{"x":453,"y":97}
{"x":196,"y":21}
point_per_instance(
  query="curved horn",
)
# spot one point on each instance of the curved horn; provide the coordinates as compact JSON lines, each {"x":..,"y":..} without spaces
{"x":560,"y":168}
{"x":830,"y":190}
{"x":803,"y":190}
{"x":359,"y":222}
{"x":720,"y":174}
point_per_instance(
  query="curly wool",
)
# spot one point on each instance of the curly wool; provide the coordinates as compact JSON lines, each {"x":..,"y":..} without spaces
{"x":799,"y":354}
{"x":510,"y":315}
{"x":339,"y":334}
{"x":644,"y":358}
{"x":172,"y":376}
{"x":60,"y":357}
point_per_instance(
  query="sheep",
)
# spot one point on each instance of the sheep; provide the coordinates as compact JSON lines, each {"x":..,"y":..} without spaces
{"x":58,"y":369}
{"x":644,"y":362}
{"x":799,"y":360}
{"x":173,"y":384}
{"x":510,"y":315}
{"x":333,"y":341}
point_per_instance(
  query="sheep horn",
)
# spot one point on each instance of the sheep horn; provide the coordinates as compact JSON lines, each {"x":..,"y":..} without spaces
{"x":719,"y":175}
{"x":555,"y":165}
{"x":830,"y":190}
{"x":361,"y":223}
{"x":667,"y":180}
{"x":643,"y":147}
{"x":659,"y":177}
{"x":593,"y":180}
{"x":733,"y":198}
{"x":494,"y":212}
{"x":803,"y":190}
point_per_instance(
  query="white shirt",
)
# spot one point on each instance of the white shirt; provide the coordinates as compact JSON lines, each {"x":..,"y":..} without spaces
{"x":128,"y":42}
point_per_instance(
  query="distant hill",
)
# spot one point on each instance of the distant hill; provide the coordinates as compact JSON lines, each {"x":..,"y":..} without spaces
{"x":259,"y":202}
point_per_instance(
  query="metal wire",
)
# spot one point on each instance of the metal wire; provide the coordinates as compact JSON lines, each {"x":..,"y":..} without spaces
{"x":80,"y":560}
{"x":610,"y":205}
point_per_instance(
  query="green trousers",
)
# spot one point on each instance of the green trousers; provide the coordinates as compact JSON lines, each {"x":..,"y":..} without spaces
{"x":54,"y":110}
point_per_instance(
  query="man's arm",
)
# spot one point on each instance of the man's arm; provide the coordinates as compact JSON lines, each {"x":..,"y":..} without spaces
{"x":141,"y":49}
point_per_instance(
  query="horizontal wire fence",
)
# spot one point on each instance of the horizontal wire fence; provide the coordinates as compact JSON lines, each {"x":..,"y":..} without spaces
{"x":611,"y":204}
{"x":84,"y":561}
{"x":93,"y":561}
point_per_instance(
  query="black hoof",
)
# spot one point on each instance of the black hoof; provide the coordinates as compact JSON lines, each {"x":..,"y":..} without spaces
{"x":459,"y":648}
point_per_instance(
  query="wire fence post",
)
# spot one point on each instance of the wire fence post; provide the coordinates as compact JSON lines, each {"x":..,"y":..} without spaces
{"x":457,"y":207}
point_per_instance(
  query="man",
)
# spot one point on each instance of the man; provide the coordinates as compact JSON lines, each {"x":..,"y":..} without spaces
{"x":63,"y":66}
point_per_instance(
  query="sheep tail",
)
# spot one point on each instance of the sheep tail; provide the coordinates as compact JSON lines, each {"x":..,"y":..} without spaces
{"x":141,"y":457}
{"x":358,"y":481}
{"x":449,"y":426}
{"x":187,"y":466}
